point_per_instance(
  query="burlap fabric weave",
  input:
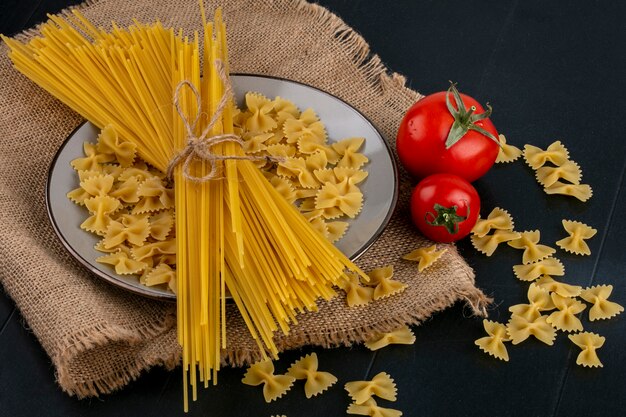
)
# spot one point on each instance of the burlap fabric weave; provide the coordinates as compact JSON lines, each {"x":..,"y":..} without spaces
{"x":100,"y":337}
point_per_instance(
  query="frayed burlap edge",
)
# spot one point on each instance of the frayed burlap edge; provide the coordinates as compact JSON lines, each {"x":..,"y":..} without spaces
{"x":89,"y":339}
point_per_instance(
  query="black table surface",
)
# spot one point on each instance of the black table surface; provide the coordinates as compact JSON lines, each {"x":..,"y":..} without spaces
{"x":552,"y":71}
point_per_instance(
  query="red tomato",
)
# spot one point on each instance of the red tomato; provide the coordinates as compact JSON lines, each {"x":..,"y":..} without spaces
{"x":447,"y":132}
{"x":445,"y":207}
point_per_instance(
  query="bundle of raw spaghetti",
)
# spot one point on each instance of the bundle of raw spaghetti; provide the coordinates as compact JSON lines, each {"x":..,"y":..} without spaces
{"x":234,"y":230}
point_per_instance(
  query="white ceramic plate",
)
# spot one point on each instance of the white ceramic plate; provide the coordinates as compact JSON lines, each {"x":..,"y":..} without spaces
{"x":380,"y":189}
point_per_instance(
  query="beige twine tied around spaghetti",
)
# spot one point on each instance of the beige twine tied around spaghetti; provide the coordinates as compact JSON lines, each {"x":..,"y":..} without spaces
{"x":200,"y":147}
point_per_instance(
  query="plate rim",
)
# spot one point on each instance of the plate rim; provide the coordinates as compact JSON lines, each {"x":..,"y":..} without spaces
{"x":172,"y":297}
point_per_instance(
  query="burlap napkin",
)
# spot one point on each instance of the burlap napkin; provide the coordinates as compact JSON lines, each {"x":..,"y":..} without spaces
{"x":99,"y":337}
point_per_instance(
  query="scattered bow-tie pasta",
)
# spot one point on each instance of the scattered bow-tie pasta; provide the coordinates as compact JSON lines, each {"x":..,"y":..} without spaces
{"x":316,"y":381}
{"x":498,"y":219}
{"x":489,"y":243}
{"x":539,"y":300}
{"x":569,"y":171}
{"x":578,"y":233}
{"x":401,"y":336}
{"x":589,"y":343}
{"x":520,"y":329}
{"x":583,"y":192}
{"x":384,"y":286}
{"x":274,"y":386}
{"x":530,"y":272}
{"x":130,"y":204}
{"x":533,"y":251}
{"x":547,"y":283}
{"x":425,"y":256}
{"x":370,"y":408}
{"x":507,"y":153}
{"x":382,"y":385}
{"x":565,"y":317}
{"x":536,"y":157}
{"x":551,"y":176}
{"x":356,"y":294}
{"x":602,"y":308}
{"x":494,"y":343}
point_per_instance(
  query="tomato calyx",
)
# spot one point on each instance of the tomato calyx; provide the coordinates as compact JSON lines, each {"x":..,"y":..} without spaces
{"x":447,"y":217}
{"x":464,"y":119}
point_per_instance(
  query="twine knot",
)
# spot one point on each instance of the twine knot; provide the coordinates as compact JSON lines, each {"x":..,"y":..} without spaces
{"x":200,"y":147}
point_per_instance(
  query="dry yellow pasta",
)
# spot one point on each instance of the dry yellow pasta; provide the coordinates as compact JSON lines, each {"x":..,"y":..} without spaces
{"x":488,"y":244}
{"x":425,"y":256}
{"x":536,"y":157}
{"x":547,"y":283}
{"x":382,"y":385}
{"x":498,"y":219}
{"x":494,"y":343}
{"x":589,"y":343}
{"x":547,"y":266}
{"x":370,"y":408}
{"x":507,"y":153}
{"x":578,"y":233}
{"x":316,"y":381}
{"x":401,"y":336}
{"x":602,"y":308}
{"x":274,"y":386}
{"x":533,"y":251}
{"x":565,"y":317}
{"x":539,"y":300}
{"x":520,"y":329}
{"x":384,"y":286}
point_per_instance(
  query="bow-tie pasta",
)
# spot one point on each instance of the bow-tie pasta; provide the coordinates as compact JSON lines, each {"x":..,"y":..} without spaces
{"x":425,"y":256}
{"x":602,"y":308}
{"x":548,"y":266}
{"x":274,"y":386}
{"x":382,"y":385}
{"x":494,"y":343}
{"x":507,"y":153}
{"x":565,"y":317}
{"x":131,"y":204}
{"x":370,"y":408}
{"x":533,"y":251}
{"x":401,"y":336}
{"x":536,"y":157}
{"x":589,"y":343}
{"x":578,"y":233}
{"x":316,"y":381}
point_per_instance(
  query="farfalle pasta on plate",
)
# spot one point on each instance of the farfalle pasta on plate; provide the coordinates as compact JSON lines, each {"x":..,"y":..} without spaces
{"x":131,"y":204}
